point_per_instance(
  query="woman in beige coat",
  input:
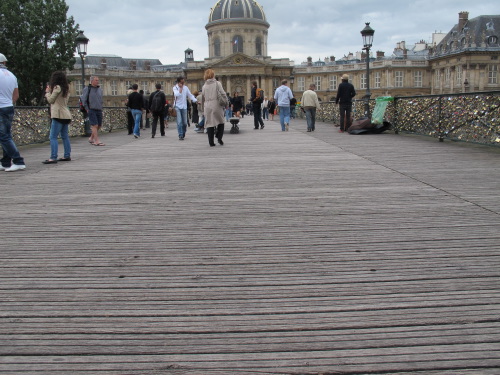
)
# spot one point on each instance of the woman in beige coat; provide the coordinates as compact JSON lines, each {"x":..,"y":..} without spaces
{"x":57,"y":94}
{"x":212,"y":109}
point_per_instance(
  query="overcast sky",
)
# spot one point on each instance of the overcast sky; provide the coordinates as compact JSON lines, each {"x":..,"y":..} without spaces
{"x":163,"y":29}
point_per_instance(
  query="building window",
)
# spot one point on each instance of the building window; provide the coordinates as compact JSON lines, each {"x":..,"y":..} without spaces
{"x":398,"y":78}
{"x":459,"y":74}
{"x":237,"y":44}
{"x":114,"y":88}
{"x":363,"y":81}
{"x":377,"y":80}
{"x":492,"y":74}
{"x":301,"y":83}
{"x":418,"y":78}
{"x":276,"y":83}
{"x":492,"y":40}
{"x":437,"y":78}
{"x":258,"y":46}
{"x":217,"y":47}
{"x":128,"y":85}
{"x":317,"y":82}
{"x":144,"y":86}
{"x":333,"y":83}
{"x":78,"y":87}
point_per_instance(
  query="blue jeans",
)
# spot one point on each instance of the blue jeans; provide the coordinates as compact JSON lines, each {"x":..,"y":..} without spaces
{"x":229,"y":114}
{"x":137,"y":115}
{"x":311,"y":118}
{"x":57,"y":128}
{"x":265,"y":113}
{"x":284,"y":116}
{"x":182,"y":121}
{"x":10,"y":152}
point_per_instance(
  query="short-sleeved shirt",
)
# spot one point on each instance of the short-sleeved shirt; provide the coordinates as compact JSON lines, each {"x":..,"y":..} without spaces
{"x":8,"y":83}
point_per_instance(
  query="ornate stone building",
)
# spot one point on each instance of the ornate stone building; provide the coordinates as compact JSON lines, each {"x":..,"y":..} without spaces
{"x":465,"y":59}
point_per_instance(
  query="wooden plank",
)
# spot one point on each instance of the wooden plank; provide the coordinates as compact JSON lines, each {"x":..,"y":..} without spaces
{"x":279,"y":253}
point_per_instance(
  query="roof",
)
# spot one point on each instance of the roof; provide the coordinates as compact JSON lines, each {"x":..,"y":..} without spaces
{"x":478,"y":34}
{"x":236,"y":10}
{"x":116,"y":62}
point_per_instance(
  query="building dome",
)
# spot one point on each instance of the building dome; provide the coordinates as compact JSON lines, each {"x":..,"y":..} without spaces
{"x":237,"y":11}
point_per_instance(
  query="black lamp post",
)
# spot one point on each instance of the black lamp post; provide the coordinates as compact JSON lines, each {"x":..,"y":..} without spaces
{"x":291,"y":79}
{"x":81,"y":46}
{"x":367,"y":34}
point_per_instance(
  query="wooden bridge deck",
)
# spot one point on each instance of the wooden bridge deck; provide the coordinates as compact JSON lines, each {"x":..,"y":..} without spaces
{"x":278,"y":253}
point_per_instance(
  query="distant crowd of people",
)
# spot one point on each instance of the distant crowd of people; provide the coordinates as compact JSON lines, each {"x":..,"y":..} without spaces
{"x":208,"y":109}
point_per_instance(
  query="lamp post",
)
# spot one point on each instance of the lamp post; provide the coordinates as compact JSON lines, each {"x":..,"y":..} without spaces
{"x":367,"y":34}
{"x":291,"y":79}
{"x":81,"y":46}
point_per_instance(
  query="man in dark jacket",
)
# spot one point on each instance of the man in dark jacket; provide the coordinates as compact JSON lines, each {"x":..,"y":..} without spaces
{"x":345,"y":93}
{"x":157,"y":102}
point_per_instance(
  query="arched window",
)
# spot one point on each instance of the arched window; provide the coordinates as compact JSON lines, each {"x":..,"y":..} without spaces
{"x":258,"y":46}
{"x":217,"y":47}
{"x":237,"y":44}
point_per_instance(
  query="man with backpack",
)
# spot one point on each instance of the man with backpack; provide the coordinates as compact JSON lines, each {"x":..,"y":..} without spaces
{"x":157,"y":102}
{"x":257,"y":97}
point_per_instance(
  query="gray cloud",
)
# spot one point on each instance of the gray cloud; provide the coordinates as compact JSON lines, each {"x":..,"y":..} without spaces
{"x":316,"y":28}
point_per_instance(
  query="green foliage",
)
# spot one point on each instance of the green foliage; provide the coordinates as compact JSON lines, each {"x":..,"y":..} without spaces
{"x":37,"y":38}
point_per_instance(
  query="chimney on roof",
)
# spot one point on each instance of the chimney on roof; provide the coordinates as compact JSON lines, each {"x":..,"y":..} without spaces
{"x":380,"y":54}
{"x":332,"y":58}
{"x":463,"y":18}
{"x":309,"y":61}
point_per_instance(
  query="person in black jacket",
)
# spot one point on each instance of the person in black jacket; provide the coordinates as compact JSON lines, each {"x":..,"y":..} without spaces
{"x":136,"y":104}
{"x":257,"y":99}
{"x":159,"y":97}
{"x":345,"y":93}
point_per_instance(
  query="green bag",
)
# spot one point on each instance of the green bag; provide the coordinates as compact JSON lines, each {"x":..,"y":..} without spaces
{"x":380,"y":107}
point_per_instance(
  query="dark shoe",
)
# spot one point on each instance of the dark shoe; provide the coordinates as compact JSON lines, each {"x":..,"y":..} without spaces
{"x":152,"y":136}
{"x":257,"y":128}
{"x":49,"y":162}
{"x":309,"y":130}
{"x":220,"y":142}
{"x":262,"y":127}
{"x":64,"y":159}
{"x":212,"y":145}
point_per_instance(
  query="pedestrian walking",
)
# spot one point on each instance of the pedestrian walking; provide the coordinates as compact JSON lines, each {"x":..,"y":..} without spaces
{"x":57,"y":94}
{"x":9,"y":93}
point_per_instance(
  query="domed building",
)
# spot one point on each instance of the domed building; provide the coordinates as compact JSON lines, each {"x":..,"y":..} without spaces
{"x":237,"y":26}
{"x":237,"y":37}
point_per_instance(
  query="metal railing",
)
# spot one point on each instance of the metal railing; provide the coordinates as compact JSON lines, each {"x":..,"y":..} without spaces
{"x":470,"y":117}
{"x":32,"y":124}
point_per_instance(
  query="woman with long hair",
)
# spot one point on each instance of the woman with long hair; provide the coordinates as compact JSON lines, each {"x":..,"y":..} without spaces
{"x":213,"y":109}
{"x":57,"y":94}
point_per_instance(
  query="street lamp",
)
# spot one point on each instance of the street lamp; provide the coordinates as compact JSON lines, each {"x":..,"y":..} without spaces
{"x":367,"y":34}
{"x":81,"y":46}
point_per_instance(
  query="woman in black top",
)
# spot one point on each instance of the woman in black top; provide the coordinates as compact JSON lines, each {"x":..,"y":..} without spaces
{"x":237,"y":105}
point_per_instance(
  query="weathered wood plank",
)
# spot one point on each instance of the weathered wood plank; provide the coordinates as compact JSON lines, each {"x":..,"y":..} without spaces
{"x":279,"y":253}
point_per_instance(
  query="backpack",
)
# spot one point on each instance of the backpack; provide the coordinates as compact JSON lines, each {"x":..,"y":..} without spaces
{"x":259,"y":96}
{"x":157,"y":105}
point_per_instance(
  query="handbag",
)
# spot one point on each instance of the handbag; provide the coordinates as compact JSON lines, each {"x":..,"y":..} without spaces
{"x":171,"y":110}
{"x":221,"y":97}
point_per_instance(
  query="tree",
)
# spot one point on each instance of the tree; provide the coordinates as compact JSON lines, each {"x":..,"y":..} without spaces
{"x":37,"y":38}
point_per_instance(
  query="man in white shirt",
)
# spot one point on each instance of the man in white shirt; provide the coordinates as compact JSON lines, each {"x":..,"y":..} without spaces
{"x":9,"y":93}
{"x":181,"y":93}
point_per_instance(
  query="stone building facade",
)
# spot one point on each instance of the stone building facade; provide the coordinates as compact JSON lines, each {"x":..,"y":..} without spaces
{"x":465,"y":59}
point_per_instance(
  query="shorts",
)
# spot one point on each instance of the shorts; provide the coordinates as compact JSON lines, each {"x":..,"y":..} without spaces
{"x":95,"y":117}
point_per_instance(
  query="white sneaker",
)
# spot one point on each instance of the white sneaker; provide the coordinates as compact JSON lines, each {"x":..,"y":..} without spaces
{"x":15,"y":167}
